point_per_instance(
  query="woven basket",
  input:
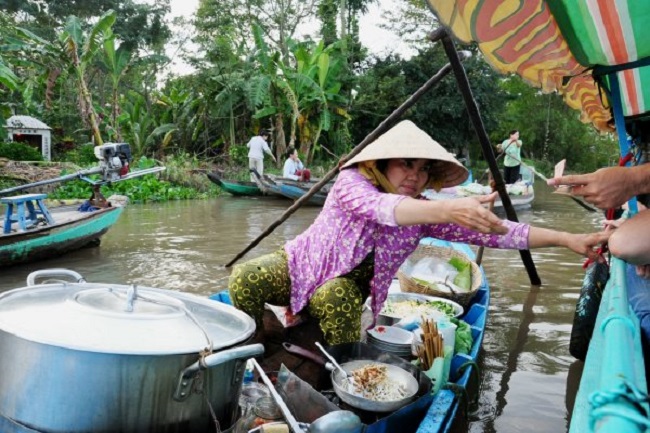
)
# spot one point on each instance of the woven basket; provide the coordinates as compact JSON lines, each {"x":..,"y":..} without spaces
{"x":407,"y":284}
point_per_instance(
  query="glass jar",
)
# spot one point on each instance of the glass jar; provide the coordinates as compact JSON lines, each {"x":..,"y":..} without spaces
{"x":267,"y":410}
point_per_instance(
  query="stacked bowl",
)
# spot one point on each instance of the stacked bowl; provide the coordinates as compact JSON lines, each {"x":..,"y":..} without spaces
{"x":391,"y":339}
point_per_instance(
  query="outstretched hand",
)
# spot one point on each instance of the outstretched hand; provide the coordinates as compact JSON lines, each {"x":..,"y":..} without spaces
{"x":605,"y":188}
{"x":586,"y":244}
{"x":471,"y":213}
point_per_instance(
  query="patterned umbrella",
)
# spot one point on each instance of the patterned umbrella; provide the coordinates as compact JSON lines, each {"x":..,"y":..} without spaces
{"x":563,"y":45}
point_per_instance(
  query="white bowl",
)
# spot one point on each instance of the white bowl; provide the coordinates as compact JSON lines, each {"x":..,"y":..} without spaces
{"x":392,"y":335}
{"x":392,"y":318}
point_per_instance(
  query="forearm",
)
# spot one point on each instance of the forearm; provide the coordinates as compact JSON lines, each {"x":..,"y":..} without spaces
{"x":539,"y":237}
{"x":410,"y":211}
{"x":641,"y":179}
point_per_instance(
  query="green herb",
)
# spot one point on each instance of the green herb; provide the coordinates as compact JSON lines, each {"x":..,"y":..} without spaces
{"x":464,"y":277}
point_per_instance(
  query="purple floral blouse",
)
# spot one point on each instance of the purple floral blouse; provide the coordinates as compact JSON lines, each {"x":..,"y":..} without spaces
{"x":358,"y":219}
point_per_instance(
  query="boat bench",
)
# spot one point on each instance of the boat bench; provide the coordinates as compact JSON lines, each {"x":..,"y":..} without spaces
{"x":28,"y":208}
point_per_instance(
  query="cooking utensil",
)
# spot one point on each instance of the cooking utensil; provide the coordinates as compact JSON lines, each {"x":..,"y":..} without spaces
{"x":409,"y":383}
{"x":333,"y":361}
{"x":293,"y":423}
{"x":297,"y":350}
{"x":398,"y":375}
{"x":79,"y":357}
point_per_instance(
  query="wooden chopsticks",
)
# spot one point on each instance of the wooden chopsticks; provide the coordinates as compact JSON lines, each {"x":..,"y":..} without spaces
{"x":432,"y":345}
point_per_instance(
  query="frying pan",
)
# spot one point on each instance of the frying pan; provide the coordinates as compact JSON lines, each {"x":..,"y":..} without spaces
{"x":404,"y":378}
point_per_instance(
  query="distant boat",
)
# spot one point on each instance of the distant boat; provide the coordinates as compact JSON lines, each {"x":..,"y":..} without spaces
{"x":71,"y":229}
{"x":521,"y":193}
{"x":292,"y":189}
{"x":235,"y":187}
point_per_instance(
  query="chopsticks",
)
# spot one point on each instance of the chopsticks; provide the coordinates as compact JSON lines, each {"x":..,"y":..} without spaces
{"x":432,"y":344}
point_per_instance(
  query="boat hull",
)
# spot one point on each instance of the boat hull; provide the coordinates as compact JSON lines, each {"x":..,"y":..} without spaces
{"x":52,"y":241}
{"x":241,"y":189}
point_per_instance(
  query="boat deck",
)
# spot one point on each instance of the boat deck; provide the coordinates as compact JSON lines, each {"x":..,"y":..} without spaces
{"x":61,"y":215}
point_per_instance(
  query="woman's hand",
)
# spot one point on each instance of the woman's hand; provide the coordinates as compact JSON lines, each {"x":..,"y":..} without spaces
{"x":586,"y":244}
{"x":471,"y":213}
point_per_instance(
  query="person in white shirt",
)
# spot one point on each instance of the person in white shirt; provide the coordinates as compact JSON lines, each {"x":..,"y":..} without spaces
{"x":293,"y":168}
{"x":258,"y":146}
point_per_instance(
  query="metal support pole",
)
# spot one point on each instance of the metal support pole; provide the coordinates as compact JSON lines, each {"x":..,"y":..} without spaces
{"x":488,"y":153}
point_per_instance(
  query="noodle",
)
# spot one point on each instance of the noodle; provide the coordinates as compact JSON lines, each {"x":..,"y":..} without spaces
{"x":372,"y":382}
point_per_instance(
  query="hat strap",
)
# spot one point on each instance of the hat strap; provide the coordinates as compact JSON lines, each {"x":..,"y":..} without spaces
{"x":369,"y":170}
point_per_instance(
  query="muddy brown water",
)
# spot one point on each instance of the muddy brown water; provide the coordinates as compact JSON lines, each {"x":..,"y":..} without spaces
{"x":528,"y":378}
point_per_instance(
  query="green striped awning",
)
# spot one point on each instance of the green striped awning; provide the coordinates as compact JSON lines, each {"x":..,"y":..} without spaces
{"x":557,"y":44}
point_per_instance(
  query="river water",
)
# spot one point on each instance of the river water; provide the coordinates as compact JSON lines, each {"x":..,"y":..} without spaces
{"x":527,"y":374}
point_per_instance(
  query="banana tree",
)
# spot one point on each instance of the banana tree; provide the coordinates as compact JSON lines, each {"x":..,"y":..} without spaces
{"x":317,"y":84}
{"x":116,"y":62}
{"x":80,"y":50}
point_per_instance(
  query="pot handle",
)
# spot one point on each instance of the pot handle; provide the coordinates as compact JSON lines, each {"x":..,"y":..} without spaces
{"x":54,"y":273}
{"x":187,"y":376}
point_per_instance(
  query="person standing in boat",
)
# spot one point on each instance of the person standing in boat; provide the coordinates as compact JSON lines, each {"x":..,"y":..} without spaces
{"x":293,"y":167}
{"x":511,"y":163}
{"x":258,"y":146}
{"x":373,"y":219}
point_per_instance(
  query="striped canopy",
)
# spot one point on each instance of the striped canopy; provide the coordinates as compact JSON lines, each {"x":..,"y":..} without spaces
{"x":563,"y":46}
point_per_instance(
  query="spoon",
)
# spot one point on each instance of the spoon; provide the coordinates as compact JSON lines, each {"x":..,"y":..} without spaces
{"x":333,"y":361}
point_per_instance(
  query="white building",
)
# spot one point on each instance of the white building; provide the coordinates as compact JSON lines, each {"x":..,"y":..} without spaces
{"x":31,"y":131}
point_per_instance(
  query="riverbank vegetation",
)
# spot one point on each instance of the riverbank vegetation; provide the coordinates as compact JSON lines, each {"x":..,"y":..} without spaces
{"x":101,"y":71}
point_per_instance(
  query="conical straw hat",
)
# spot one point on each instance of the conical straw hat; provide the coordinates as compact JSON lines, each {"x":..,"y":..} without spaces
{"x":406,"y":140}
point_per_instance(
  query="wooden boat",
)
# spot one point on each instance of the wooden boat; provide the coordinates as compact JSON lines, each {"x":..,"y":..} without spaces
{"x":235,"y":187}
{"x":521,"y":193}
{"x":291,"y":189}
{"x":71,"y":230}
{"x":613,"y":381}
{"x":428,"y":413}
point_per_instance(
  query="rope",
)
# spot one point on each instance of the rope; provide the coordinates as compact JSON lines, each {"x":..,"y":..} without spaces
{"x":624,"y":392}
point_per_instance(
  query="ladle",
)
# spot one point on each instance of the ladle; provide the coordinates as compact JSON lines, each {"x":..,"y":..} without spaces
{"x":333,"y":361}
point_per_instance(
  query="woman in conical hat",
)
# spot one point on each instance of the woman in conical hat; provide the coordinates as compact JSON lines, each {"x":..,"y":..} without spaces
{"x":373,"y":219}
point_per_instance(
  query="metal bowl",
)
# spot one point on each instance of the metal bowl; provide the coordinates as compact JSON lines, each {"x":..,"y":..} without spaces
{"x":397,"y":374}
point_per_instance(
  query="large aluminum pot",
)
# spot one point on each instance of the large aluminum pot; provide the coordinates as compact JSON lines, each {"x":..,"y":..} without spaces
{"x":81,"y":357}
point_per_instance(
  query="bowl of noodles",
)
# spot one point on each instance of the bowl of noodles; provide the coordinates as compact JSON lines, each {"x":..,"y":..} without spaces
{"x":399,"y":306}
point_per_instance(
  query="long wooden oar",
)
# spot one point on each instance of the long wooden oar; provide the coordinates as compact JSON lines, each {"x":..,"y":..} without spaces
{"x":384,"y":126}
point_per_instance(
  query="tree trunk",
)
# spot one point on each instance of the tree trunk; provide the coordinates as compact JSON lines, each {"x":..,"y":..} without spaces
{"x":280,"y":139}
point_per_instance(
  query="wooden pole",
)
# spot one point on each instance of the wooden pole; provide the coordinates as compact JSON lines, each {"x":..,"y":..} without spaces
{"x":488,"y":153}
{"x":384,"y":126}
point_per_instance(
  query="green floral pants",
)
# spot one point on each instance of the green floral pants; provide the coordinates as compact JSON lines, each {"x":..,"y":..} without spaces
{"x":336,"y":304}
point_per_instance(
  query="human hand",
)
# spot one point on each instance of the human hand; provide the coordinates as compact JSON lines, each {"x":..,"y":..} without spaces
{"x":586,"y":244}
{"x":605,"y":188}
{"x":469,"y":212}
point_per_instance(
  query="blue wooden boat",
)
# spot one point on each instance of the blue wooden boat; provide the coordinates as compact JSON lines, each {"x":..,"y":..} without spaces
{"x":446,"y":402}
{"x":70,"y":229}
{"x":430,"y":413}
{"x":291,"y":189}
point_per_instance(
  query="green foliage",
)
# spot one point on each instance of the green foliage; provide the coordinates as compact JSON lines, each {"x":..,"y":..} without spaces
{"x":19,"y":152}
{"x":83,"y":155}
{"x":238,"y":155}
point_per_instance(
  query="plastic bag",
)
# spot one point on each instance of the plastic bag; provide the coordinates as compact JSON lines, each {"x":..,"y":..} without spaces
{"x":285,"y":316}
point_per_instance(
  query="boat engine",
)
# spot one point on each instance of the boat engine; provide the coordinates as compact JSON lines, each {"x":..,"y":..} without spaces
{"x":114,"y":159}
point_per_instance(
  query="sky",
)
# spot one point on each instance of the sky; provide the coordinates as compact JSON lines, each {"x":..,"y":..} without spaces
{"x":377,"y":40}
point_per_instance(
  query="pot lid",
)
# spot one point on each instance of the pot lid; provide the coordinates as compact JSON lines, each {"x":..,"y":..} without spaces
{"x":121,"y":319}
